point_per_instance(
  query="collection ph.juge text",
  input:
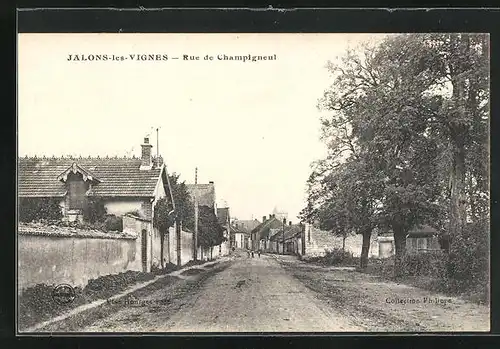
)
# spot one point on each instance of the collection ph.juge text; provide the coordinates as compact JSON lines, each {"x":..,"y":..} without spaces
{"x":98,"y":57}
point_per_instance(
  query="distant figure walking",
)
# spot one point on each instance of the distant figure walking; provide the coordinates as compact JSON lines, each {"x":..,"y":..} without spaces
{"x":258,"y":253}
{"x":252,"y":253}
{"x":248,"y":253}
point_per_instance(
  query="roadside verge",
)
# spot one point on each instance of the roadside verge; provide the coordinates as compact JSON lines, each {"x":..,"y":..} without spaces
{"x":180,"y":273}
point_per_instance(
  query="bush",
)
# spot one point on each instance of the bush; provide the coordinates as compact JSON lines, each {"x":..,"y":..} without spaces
{"x":113,"y":223}
{"x":35,"y":209}
{"x":168,"y":267}
{"x":468,"y":261}
{"x":332,"y":257}
{"x":424,"y":264}
{"x":94,"y":210}
{"x":337,"y":256}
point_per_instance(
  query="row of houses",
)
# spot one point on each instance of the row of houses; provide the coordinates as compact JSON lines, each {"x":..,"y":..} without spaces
{"x":274,"y":235}
{"x":129,"y":188}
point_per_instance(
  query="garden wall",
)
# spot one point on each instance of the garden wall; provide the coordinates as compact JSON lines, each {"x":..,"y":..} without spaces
{"x":73,"y":260}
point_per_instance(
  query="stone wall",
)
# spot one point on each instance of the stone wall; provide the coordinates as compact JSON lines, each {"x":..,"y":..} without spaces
{"x":73,"y":260}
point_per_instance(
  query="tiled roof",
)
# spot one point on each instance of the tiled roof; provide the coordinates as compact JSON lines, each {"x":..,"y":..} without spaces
{"x":291,"y":231}
{"x":247,"y":225}
{"x":263,"y":229}
{"x":422,"y":230}
{"x":417,"y":231}
{"x":205,"y":192}
{"x":119,"y":177}
{"x":223,"y":215}
{"x":234,"y":230}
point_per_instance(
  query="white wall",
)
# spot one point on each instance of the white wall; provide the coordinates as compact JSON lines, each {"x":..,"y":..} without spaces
{"x":119,"y":207}
{"x":239,"y":240}
{"x":353,"y":244}
{"x":73,"y":260}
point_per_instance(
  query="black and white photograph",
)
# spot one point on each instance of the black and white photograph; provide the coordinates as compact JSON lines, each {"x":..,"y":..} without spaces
{"x":253,"y":182}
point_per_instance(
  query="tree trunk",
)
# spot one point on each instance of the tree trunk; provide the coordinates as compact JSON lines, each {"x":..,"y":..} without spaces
{"x":343,"y":243}
{"x":458,"y":208}
{"x":211,"y":252}
{"x":400,"y":245}
{"x":365,"y":249}
{"x":458,"y":132}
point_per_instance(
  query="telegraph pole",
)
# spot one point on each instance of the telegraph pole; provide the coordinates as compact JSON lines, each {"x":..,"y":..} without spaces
{"x":283,"y":234}
{"x":157,"y":146}
{"x":195,"y":235}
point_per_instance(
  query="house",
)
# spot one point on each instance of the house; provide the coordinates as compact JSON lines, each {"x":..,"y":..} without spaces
{"x":287,"y":240}
{"x":247,"y":226}
{"x":205,"y":194}
{"x":239,"y":238}
{"x":225,"y":221}
{"x":260,"y":234}
{"x":421,"y":238}
{"x":124,"y":184}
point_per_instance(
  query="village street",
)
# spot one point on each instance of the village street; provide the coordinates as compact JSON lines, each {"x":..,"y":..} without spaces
{"x":278,"y":294}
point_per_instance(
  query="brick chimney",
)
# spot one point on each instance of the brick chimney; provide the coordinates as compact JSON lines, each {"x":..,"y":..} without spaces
{"x":270,"y":216}
{"x":146,"y":158}
{"x":290,"y":223}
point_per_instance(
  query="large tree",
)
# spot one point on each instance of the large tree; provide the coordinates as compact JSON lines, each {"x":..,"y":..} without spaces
{"x":410,"y":108}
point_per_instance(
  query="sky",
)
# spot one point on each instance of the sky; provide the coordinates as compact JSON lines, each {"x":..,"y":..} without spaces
{"x":250,"y":127}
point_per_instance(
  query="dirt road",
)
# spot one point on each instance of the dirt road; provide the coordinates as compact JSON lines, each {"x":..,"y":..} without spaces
{"x":383,"y":306}
{"x":257,"y":295}
{"x":278,"y":294}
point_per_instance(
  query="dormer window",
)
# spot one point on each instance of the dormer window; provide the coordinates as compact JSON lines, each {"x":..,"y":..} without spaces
{"x":78,"y":181}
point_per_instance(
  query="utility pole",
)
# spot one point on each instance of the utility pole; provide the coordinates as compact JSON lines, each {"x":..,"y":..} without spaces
{"x":157,"y":146}
{"x":195,"y":235}
{"x":283,"y":234}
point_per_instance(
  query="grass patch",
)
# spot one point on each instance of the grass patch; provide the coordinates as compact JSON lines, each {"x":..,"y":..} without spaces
{"x":86,"y":318}
{"x":336,"y":257}
{"x":193,"y":271}
{"x":384,"y":269}
{"x":168,"y":268}
{"x":192,"y":263}
{"x":36,"y":304}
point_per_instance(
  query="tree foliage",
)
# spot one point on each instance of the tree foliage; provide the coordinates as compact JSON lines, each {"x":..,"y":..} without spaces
{"x":94,"y":210}
{"x":34,"y":209}
{"x":184,"y":206}
{"x":406,"y":127}
{"x":210,"y":232}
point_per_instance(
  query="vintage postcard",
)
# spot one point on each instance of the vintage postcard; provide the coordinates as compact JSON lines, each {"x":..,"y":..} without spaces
{"x":225,"y":183}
